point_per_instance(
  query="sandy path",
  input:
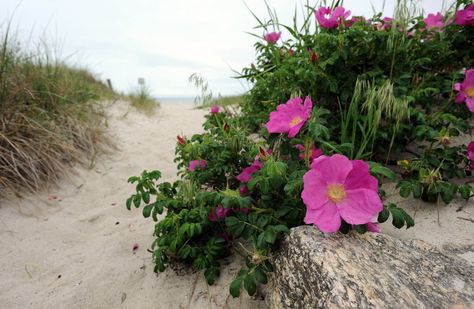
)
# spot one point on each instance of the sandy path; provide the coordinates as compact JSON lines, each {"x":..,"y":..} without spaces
{"x":76,"y":251}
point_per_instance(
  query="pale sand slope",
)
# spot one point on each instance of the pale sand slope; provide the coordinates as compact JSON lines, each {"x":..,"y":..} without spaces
{"x":77,"y":237}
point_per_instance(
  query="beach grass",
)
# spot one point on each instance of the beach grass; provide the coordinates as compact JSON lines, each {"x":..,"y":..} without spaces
{"x":50,"y":116}
{"x":142,"y":99}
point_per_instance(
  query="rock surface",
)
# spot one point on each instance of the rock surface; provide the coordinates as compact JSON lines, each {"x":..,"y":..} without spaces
{"x":314,"y":270}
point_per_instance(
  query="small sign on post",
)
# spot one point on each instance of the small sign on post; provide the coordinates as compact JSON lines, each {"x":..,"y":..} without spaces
{"x":141,"y":81}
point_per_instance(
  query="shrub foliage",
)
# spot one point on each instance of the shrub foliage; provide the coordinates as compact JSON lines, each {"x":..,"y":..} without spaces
{"x":382,"y":92}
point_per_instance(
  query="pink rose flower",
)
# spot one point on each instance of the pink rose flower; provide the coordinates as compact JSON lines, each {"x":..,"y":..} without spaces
{"x":434,"y":22}
{"x":330,"y":19}
{"x":201,"y":164}
{"x":290,"y":117}
{"x":466,"y":90}
{"x":272,"y":37}
{"x":315,"y":152}
{"x":470,"y":154}
{"x":337,"y":188}
{"x":247,"y":172}
{"x":244,"y":190}
{"x":219,"y":213}
{"x":257,"y":165}
{"x":349,"y":23}
{"x":465,"y":17}
{"x":214,"y":109}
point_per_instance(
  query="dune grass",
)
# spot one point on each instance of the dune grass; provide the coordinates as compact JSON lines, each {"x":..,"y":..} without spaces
{"x":50,"y":117}
{"x":142,"y":100}
{"x":231,"y":100}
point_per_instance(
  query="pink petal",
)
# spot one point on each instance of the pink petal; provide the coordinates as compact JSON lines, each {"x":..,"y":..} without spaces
{"x":326,"y":218}
{"x":314,"y":190}
{"x":360,"y":206}
{"x":373,"y":227}
{"x":295,"y":129}
{"x":470,"y":104}
{"x":469,"y":78}
{"x":360,"y":177}
{"x":334,"y":169}
{"x":457,"y":87}
{"x":461,"y":97}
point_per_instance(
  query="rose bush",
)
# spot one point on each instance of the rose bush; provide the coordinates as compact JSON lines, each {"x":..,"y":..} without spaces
{"x":329,"y":113}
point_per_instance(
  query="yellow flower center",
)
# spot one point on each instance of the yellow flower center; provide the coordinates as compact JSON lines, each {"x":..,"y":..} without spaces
{"x":470,"y":92}
{"x":336,"y":193}
{"x":295,"y":121}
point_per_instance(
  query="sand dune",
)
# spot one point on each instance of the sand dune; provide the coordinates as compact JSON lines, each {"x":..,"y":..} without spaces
{"x":71,"y":247}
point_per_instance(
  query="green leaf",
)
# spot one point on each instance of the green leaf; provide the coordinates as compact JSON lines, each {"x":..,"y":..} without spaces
{"x":417,"y":189}
{"x":129,"y":202}
{"x":361,"y":229}
{"x":465,"y":191}
{"x":250,"y":284}
{"x":447,"y":192}
{"x":236,"y":227}
{"x":398,"y":220}
{"x":405,"y":189}
{"x":146,"y":197}
{"x":270,"y":236}
{"x":280,"y":228}
{"x":211,"y":274}
{"x":260,"y":275}
{"x":378,"y":169}
{"x":147,"y":210}
{"x":137,"y":200}
{"x":235,"y":287}
{"x":383,"y":215}
{"x":408,"y":219}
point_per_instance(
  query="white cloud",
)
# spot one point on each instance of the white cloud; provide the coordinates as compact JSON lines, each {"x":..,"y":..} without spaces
{"x":162,"y":41}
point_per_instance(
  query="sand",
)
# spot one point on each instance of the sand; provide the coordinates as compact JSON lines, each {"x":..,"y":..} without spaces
{"x":71,"y":247}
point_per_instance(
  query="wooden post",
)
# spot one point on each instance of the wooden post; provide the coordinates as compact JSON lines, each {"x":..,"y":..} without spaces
{"x":109,"y":83}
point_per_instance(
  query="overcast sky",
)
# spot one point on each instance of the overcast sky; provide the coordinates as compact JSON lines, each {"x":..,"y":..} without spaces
{"x":164,"y":41}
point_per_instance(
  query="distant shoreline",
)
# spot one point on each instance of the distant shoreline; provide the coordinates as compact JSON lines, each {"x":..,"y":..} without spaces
{"x":176,"y":100}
